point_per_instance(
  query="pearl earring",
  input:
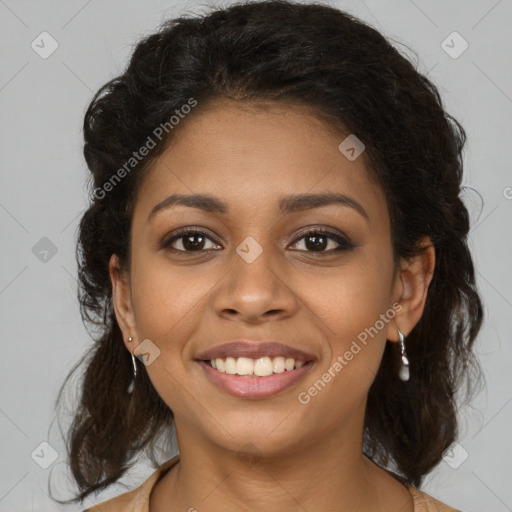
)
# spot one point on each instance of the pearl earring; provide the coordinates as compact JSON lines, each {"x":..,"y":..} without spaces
{"x":404,"y":372}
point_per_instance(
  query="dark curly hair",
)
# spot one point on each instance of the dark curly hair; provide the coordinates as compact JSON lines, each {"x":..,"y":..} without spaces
{"x":349,"y":75}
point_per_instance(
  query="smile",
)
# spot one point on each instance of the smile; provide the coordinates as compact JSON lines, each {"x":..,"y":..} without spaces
{"x":264,"y":377}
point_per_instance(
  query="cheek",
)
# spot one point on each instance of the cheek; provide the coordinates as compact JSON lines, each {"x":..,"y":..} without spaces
{"x":166,"y":304}
{"x":165,"y":298}
{"x":352,"y":311}
{"x":352,"y":300}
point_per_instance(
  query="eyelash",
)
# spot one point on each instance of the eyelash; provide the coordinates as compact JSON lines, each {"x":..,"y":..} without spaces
{"x":345,"y":244}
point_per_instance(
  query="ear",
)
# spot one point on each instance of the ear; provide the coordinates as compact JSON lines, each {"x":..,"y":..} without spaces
{"x":122,"y":301}
{"x":410,"y":289}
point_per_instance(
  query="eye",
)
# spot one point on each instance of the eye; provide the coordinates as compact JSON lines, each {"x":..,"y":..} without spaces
{"x":190,"y":239}
{"x":317,"y":240}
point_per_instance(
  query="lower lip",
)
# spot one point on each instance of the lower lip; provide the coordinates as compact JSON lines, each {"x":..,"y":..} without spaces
{"x":255,"y":387}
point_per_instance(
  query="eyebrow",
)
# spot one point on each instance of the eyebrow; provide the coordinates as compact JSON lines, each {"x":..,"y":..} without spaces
{"x":287,"y":204}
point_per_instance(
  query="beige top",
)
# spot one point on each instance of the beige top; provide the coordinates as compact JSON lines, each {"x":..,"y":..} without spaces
{"x":138,"y":499}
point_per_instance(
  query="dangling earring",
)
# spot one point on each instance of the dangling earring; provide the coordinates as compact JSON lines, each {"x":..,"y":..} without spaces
{"x":403,"y":373}
{"x":132,"y":383}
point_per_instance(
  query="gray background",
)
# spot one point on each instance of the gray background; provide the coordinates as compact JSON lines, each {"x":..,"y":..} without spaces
{"x":42,"y":194}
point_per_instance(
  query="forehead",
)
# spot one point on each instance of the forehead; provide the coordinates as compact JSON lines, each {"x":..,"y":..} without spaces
{"x":250,"y":157}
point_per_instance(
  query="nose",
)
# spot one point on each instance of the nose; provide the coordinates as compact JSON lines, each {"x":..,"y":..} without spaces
{"x":255,"y":291}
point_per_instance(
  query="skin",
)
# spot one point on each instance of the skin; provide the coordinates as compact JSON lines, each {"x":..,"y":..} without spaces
{"x":305,"y":456}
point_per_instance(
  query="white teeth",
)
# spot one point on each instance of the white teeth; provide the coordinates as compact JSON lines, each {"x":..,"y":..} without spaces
{"x":289,"y":363}
{"x":230,"y":365}
{"x":245,"y":366}
{"x":278,"y":366}
{"x":262,"y":367}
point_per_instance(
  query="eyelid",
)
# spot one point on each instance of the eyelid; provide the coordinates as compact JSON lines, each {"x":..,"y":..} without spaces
{"x":337,"y":236}
{"x":321,"y":229}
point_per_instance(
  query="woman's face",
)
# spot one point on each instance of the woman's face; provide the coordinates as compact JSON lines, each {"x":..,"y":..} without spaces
{"x":252,"y":274}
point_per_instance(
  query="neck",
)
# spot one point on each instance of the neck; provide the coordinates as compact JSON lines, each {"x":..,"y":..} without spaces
{"x":328,"y":473}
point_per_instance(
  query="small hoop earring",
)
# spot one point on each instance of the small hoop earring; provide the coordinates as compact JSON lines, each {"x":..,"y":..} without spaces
{"x":132,"y":383}
{"x":404,"y":372}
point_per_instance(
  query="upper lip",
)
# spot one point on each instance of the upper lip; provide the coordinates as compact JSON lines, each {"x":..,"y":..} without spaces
{"x":254,"y":350}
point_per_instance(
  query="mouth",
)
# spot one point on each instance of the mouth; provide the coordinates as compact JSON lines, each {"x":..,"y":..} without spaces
{"x":280,"y":375}
{"x":254,"y":370}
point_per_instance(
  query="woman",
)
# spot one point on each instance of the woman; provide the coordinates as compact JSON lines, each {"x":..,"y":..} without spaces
{"x":275,"y":258}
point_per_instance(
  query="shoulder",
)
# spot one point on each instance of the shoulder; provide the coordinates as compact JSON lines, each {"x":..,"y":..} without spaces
{"x":423,"y":502}
{"x":136,"y":500}
{"x":117,"y":504}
